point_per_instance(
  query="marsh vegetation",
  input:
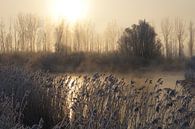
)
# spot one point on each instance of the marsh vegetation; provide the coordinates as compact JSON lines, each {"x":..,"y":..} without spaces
{"x":93,"y":101}
{"x":70,"y":77}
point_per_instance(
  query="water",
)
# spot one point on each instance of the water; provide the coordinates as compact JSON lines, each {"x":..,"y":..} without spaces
{"x":169,"y":78}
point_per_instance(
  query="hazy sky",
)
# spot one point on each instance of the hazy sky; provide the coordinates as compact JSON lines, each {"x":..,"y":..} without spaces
{"x":125,"y":12}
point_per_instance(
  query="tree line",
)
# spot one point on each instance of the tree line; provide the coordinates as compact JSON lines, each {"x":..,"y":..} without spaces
{"x":177,"y":35}
{"x":30,"y":33}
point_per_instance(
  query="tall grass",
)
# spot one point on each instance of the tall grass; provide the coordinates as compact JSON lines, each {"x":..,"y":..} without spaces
{"x":99,"y":101}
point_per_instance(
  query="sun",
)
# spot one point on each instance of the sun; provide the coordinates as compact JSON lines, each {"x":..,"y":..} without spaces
{"x":71,"y":10}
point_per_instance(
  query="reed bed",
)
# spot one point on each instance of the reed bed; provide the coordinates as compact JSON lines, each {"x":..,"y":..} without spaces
{"x":94,"y":102}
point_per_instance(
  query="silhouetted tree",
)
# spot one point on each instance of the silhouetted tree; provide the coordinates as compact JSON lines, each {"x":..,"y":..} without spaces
{"x":59,"y":46}
{"x":180,"y":34}
{"x":167,"y":28}
{"x":111,"y":35}
{"x":191,"y":40}
{"x":2,"y":37}
{"x":26,"y":27}
{"x":77,"y":37}
{"x":8,"y":41}
{"x":48,"y":36}
{"x":140,"y":41}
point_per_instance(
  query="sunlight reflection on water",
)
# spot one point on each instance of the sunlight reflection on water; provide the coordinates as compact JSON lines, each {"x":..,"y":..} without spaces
{"x":75,"y":84}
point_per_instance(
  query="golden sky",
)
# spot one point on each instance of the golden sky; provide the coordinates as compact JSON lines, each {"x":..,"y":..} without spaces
{"x":125,"y":12}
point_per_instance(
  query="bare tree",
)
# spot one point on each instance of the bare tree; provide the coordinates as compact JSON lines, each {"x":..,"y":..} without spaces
{"x":32,"y":27}
{"x":111,"y":35}
{"x":59,"y":36}
{"x":97,"y":42}
{"x":62,"y":38}
{"x":67,"y":36}
{"x":180,"y":34}
{"x":167,"y":29}
{"x":26,"y":27}
{"x":174,"y":46}
{"x":81,"y":37}
{"x":16,"y":36}
{"x":21,"y":28}
{"x":78,"y":37}
{"x":88,"y":34}
{"x":47,"y":36}
{"x":2,"y":36}
{"x":8,"y":40}
{"x":191,"y":38}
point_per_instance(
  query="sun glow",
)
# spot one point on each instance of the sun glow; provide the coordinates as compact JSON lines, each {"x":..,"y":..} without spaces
{"x":71,"y":10}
